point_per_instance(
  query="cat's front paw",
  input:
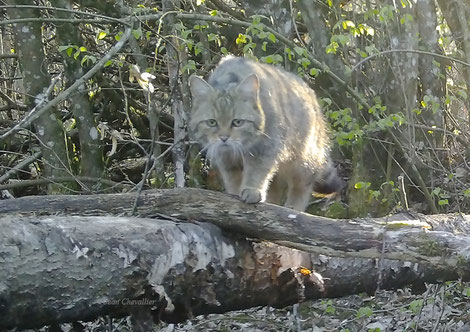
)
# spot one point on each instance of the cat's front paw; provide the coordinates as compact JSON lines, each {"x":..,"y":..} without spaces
{"x":251,"y":195}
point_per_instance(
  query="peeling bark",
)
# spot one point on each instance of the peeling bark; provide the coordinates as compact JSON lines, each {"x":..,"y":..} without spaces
{"x":58,"y":269}
{"x":404,"y":236}
{"x":67,"y":268}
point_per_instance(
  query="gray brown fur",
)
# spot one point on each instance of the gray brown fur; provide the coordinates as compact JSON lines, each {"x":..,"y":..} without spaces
{"x":278,"y":140}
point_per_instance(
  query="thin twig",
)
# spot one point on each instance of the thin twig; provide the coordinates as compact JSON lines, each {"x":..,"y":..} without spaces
{"x":37,"y":112}
{"x":40,"y":100}
{"x":58,"y":20}
{"x":73,"y":11}
{"x":360,"y":63}
{"x":22,"y":164}
{"x":37,"y":182}
{"x":443,"y":298}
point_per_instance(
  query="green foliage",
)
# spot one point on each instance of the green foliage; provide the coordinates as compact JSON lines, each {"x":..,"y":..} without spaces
{"x":329,"y":307}
{"x":415,"y":306}
{"x":419,"y":123}
{"x":364,"y":312}
{"x":77,"y":51}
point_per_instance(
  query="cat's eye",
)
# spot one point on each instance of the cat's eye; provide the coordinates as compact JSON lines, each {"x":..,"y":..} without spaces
{"x":237,"y":123}
{"x":211,"y":123}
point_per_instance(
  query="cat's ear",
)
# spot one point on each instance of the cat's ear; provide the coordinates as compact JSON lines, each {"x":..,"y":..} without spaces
{"x":249,"y":87}
{"x":198,"y":86}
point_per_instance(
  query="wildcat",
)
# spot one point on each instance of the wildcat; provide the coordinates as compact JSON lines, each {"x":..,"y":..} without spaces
{"x":262,"y":128}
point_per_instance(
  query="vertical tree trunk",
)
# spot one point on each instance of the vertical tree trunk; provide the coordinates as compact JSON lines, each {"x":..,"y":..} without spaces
{"x":430,"y":70}
{"x":91,"y":150}
{"x":457,"y":16}
{"x":180,"y":95}
{"x":48,"y":127}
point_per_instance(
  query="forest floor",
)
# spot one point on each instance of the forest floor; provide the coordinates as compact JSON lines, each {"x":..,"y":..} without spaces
{"x":444,"y":307}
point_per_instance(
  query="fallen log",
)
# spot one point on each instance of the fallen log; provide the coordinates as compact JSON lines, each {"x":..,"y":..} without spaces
{"x":440,"y":240}
{"x":66,"y":268}
{"x":59,"y":269}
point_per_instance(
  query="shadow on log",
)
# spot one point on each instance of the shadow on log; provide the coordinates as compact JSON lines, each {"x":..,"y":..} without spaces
{"x":68,"y":258}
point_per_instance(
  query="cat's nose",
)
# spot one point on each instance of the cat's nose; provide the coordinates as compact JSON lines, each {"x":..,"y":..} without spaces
{"x":223,"y":138}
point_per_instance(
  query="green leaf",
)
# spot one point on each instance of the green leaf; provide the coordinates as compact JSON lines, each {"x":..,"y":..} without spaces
{"x":213,"y":13}
{"x":342,"y":39}
{"x":299,"y":50}
{"x":108,"y":63}
{"x":443,"y":202}
{"x":332,"y":48}
{"x":241,"y":39}
{"x":64,"y":47}
{"x":248,"y":47}
{"x":290,"y":54}
{"x":371,"y":49}
{"x":190,"y":66}
{"x":212,"y":37}
{"x":272,"y":37}
{"x":304,"y":62}
{"x":415,"y":306}
{"x":263,"y":47}
{"x":330,"y":310}
{"x":198,"y":48}
{"x":466,"y":291}
{"x":101,"y":35}
{"x":313,"y":72}
{"x":82,"y":49}
{"x":364,"y":311}
{"x":362,"y":185}
{"x":137,"y":33}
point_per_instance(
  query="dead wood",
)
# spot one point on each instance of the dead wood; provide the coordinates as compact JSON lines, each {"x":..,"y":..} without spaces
{"x":64,"y":258}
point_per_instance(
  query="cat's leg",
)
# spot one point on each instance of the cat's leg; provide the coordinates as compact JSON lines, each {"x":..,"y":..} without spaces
{"x":257,"y":172}
{"x":231,"y":178}
{"x":299,"y":188}
{"x":276,"y":190}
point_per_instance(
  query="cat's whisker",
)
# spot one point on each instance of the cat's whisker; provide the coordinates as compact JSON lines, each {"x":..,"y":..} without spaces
{"x":264,"y":134}
{"x":211,"y":153}
{"x":240,"y":150}
{"x":240,"y":116}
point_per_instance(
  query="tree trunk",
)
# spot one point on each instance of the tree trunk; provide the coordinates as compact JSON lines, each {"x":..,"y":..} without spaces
{"x":91,"y":150}
{"x":58,"y":269}
{"x":67,"y":268}
{"x":180,"y":99}
{"x":405,"y":236}
{"x":49,"y":131}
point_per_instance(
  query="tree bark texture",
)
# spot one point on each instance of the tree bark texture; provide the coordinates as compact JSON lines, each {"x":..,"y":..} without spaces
{"x":66,"y":268}
{"x":28,"y":39}
{"x":91,"y":161}
{"x":58,"y":269}
{"x":180,"y":99}
{"x":403,"y":237}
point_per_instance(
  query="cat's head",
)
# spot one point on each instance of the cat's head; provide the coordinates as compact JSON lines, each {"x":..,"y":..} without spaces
{"x":226,"y":119}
